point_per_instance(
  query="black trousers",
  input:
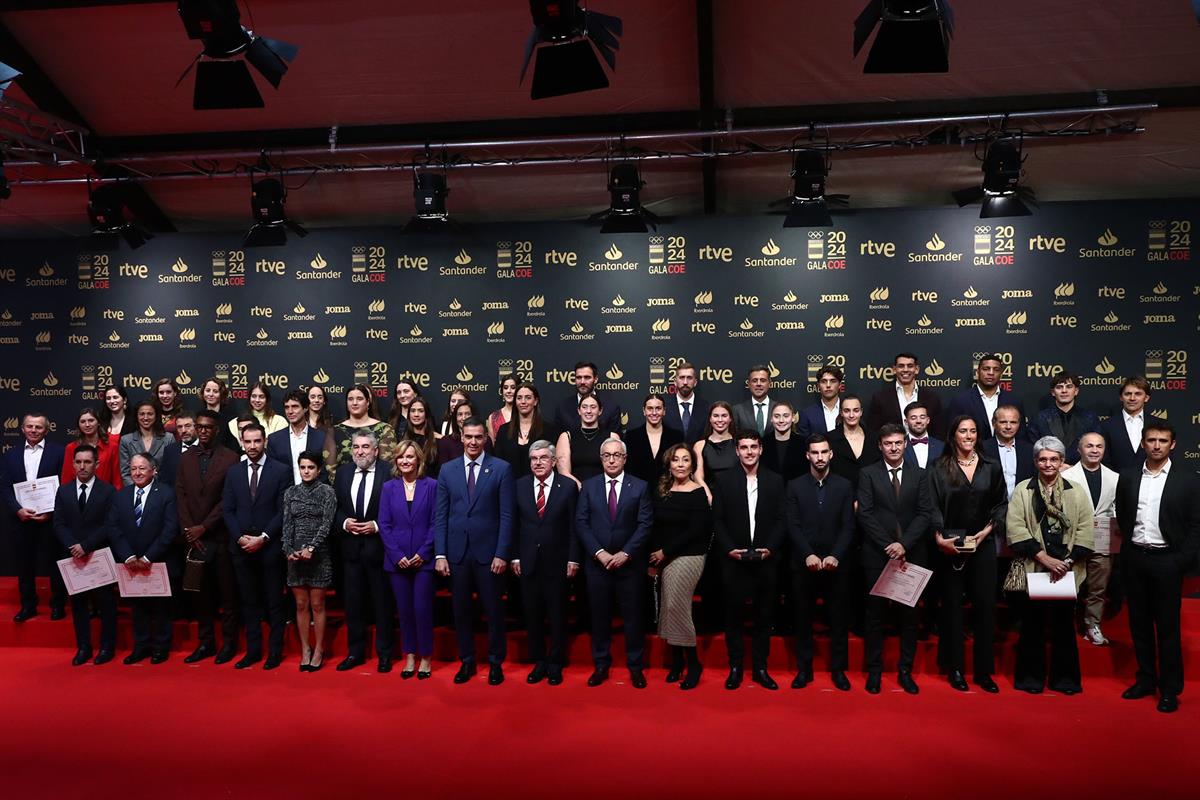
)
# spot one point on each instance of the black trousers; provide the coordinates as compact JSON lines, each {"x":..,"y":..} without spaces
{"x":105,"y":600}
{"x":35,"y":544}
{"x":470,"y":577}
{"x":753,"y":582}
{"x":261,"y":578}
{"x":876,"y":612}
{"x":218,"y":597}
{"x":1030,"y":672}
{"x":1154,"y":591}
{"x":151,"y":623}
{"x":834,"y":588}
{"x":976,"y":580}
{"x":368,"y":594}
{"x":624,"y":587}
{"x":545,"y":599}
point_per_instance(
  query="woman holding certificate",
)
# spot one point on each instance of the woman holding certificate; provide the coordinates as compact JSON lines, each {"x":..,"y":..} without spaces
{"x":308,"y":511}
{"x":1049,"y":527}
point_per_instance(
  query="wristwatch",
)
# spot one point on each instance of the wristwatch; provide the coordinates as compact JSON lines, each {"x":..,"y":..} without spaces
{"x":1069,"y":562}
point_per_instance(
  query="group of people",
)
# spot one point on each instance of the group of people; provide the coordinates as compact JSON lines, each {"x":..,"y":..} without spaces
{"x":818,"y":499}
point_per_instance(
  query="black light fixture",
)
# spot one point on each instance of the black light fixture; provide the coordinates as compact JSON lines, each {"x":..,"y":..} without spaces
{"x":1000,"y":193}
{"x":808,"y":207}
{"x":221,"y":81}
{"x":106,"y":210}
{"x":563,"y":35}
{"x":268,"y":196}
{"x":625,"y":213}
{"x":914,"y":35}
{"x":429,"y":199}
{"x":7,"y":76}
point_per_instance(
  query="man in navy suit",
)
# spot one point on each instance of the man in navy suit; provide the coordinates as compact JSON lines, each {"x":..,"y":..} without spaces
{"x":613,"y":520}
{"x":184,"y":440}
{"x":685,"y":410}
{"x":252,"y":503}
{"x":473,"y":537}
{"x":822,"y":416}
{"x":922,"y":449}
{"x":984,"y":397}
{"x":286,"y":445}
{"x":357,"y":487}
{"x":144,"y":521}
{"x":1009,"y":448}
{"x":1123,"y":431}
{"x":37,"y":458}
{"x":81,"y":525}
{"x":548,"y":554}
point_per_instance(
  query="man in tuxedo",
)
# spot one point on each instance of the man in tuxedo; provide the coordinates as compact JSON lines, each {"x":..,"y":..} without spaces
{"x":820,"y":522}
{"x":199,"y":490}
{"x":1065,"y":420}
{"x":81,"y":510}
{"x":144,"y":521}
{"x":33,"y":532}
{"x":473,"y":540}
{"x":754,"y":414}
{"x":184,"y":440}
{"x":749,"y":533}
{"x":822,"y":416}
{"x":252,"y":504}
{"x":566,"y":413}
{"x":613,"y":520}
{"x":1013,"y":451}
{"x":1123,"y":431}
{"x":548,"y":554}
{"x":984,"y":397}
{"x":685,"y":410}
{"x":1158,"y":511}
{"x":894,"y":511}
{"x":358,"y":486}
{"x":1102,"y":491}
{"x":921,"y":448}
{"x":285,"y":446}
{"x":888,"y":404}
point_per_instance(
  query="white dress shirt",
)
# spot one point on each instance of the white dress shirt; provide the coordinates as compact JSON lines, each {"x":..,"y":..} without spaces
{"x":831,"y":414}
{"x":691,"y":401}
{"x":33,"y":459}
{"x":549,"y":482}
{"x":921,"y":452}
{"x":80,"y":486}
{"x":989,"y":405}
{"x":299,"y":445}
{"x":354,"y":482}
{"x":1133,"y":427}
{"x":904,"y":399}
{"x":262,"y":461}
{"x":619,"y":478}
{"x":466,"y":460}
{"x":1008,"y":464}
{"x":752,"y":502}
{"x":1146,"y":530}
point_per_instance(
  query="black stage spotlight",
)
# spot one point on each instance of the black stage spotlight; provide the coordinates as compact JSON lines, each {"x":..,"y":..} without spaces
{"x":808,"y":207}
{"x":1001,"y":193}
{"x":106,"y":204}
{"x":267,"y":199}
{"x":914,"y":35}
{"x":563,"y":35}
{"x":429,"y":198}
{"x":222,"y":82}
{"x":7,"y":76}
{"x":625,"y":213}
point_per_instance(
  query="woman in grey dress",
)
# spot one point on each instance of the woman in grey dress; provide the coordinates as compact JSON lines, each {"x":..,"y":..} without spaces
{"x":308,"y":509}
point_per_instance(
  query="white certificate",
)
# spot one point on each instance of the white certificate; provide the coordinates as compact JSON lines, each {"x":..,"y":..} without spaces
{"x":90,"y":572}
{"x":1106,"y":535}
{"x":1040,"y":587}
{"x":902,"y":582}
{"x":144,"y":584}
{"x":37,"y":495}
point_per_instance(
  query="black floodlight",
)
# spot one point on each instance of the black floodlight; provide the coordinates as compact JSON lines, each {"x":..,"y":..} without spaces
{"x":106,"y":210}
{"x":429,"y":198}
{"x":566,"y":38}
{"x":625,"y":213}
{"x":1000,"y":194}
{"x":809,"y":205}
{"x":221,"y":81}
{"x":268,"y":197}
{"x":7,"y":76}
{"x":914,"y":35}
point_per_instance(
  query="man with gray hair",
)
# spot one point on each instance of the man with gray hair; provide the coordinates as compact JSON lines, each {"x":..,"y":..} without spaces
{"x":1101,"y":483}
{"x":548,"y":554}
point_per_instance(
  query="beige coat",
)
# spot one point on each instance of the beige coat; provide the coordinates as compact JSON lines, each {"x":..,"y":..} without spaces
{"x":1022,"y":525}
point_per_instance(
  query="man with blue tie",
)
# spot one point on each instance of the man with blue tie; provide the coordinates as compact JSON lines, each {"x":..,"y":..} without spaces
{"x":144,"y":522}
{"x":685,"y":410}
{"x":473,"y":537}
{"x":922,"y":448}
{"x":613,"y":520}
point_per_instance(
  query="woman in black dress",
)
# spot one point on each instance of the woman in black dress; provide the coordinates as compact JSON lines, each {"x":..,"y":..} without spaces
{"x":578,"y":449}
{"x":308,"y":511}
{"x":525,"y":428}
{"x":853,"y":448}
{"x":783,"y":450}
{"x":419,"y":429}
{"x":646,"y":443}
{"x":717,"y":451}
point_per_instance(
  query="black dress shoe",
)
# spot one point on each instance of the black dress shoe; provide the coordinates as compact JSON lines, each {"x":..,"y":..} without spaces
{"x":465,"y":672}
{"x":495,"y":675}
{"x":247,"y":661}
{"x":158,"y":656}
{"x":225,"y":654}
{"x":408,"y":673}
{"x":384,"y":665}
{"x":735,"y":678}
{"x":58,"y":613}
{"x":1137,"y":692}
{"x":1068,"y":688}
{"x":840,"y":681}
{"x":1029,"y":687}
{"x":692,"y":679}
{"x":199,"y":654}
{"x":136,"y":656}
{"x":1168,"y":704}
{"x":638,"y":678}
{"x":103,"y":657}
{"x":986,"y":683}
{"x":905,"y":679}
{"x":24,"y":614}
{"x":275,"y":659}
{"x":957,"y":681}
{"x":423,"y":674}
{"x":598,"y":676}
{"x":554,"y":676}
{"x":763,"y":679}
{"x":803,"y":678}
{"x":349,"y":662}
{"x":874,"y":679}
{"x":82,"y":656}
{"x":537,"y":674}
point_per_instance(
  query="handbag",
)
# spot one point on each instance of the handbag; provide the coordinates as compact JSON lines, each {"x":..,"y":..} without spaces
{"x":1017,"y":578}
{"x":193,"y":569}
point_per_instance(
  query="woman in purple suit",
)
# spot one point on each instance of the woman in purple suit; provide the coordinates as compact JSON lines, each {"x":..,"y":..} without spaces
{"x":406,"y":507}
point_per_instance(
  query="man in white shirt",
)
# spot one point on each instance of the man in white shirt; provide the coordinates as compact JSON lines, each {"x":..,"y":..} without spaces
{"x":1101,"y":483}
{"x":921,"y":448}
{"x":822,"y":416}
{"x":985,"y":396}
{"x":33,"y":533}
{"x":1123,"y":430}
{"x":298,"y":437}
{"x":686,"y":411}
{"x":889,"y":402}
{"x":755,"y":414}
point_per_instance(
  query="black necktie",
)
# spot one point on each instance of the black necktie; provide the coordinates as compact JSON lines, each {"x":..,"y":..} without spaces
{"x":360,"y":501}
{"x":82,"y":496}
{"x":253,"y":480}
{"x":896,"y":481}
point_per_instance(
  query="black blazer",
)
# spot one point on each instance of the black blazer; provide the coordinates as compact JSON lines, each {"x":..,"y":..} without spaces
{"x":731,"y":514}
{"x":844,"y":463}
{"x":549,"y":540}
{"x":1178,"y":514}
{"x":160,"y":523}
{"x":971,"y":404}
{"x":884,"y":518}
{"x":168,"y":470}
{"x":640,"y":462}
{"x":673,"y":419}
{"x":885,"y":407}
{"x":14,"y":469}
{"x":1118,"y":455}
{"x":795,"y":463}
{"x":90,"y":529}
{"x":820,"y":529}
{"x":279,"y":448}
{"x":1025,"y":467}
{"x":343,"y":479}
{"x":263,"y":514}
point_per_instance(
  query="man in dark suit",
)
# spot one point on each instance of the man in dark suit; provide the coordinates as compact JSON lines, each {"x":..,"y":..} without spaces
{"x":820,"y":521}
{"x":1158,"y":511}
{"x":921,"y":449}
{"x":1009,"y":448}
{"x":81,"y":524}
{"x":685,"y":410}
{"x":822,"y":416}
{"x":749,"y":532}
{"x":286,"y":445}
{"x":984,"y":397}
{"x":184,"y":440}
{"x":894,"y":508}
{"x":252,"y":503}
{"x":1064,"y":420}
{"x":613,"y":521}
{"x":566,"y":413}
{"x":199,"y":490}
{"x":1123,"y":431}
{"x":754,"y":414}
{"x":358,"y":486}
{"x":144,"y":521}
{"x":888,"y":404}
{"x":34,"y":533}
{"x":473,"y":541}
{"x":548,"y":554}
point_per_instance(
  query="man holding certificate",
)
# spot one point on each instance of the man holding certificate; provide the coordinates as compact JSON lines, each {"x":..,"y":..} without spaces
{"x":144,"y":521}
{"x":81,"y":511}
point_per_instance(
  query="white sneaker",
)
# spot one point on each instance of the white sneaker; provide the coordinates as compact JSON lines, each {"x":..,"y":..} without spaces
{"x":1095,"y":636}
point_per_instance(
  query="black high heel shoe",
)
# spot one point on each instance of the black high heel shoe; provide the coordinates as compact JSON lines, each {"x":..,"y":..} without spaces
{"x":316,"y":667}
{"x":304,"y":665}
{"x":423,"y":674}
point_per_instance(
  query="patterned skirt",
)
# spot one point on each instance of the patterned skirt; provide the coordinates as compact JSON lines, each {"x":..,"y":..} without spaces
{"x":678,"y":585}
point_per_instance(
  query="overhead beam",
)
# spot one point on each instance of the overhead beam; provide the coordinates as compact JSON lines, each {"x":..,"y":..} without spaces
{"x":706,"y":83}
